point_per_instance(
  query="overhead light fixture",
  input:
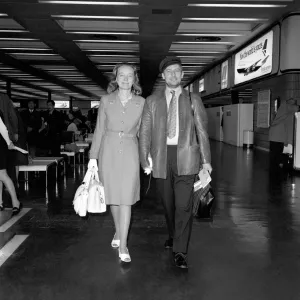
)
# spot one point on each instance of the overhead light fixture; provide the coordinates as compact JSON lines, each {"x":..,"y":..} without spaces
{"x":17,"y":39}
{"x":195,"y":52}
{"x":102,"y":32}
{"x":196,"y":56}
{"x":110,"y":50}
{"x":217,"y":43}
{"x":227,"y":19}
{"x":3,"y":15}
{"x":53,"y":70}
{"x":210,"y":34}
{"x":94,"y":17}
{"x":13,"y":30}
{"x":24,"y":49}
{"x":89,"y":2}
{"x":237,"y":5}
{"x":104,"y":41}
{"x":109,"y":55}
{"x":35,"y":54}
{"x":188,"y":63}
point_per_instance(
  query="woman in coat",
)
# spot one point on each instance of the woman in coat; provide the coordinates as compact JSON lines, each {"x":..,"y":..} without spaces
{"x":5,"y":145}
{"x":116,"y":148}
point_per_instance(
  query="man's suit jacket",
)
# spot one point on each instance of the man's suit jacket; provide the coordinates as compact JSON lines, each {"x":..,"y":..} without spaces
{"x":34,"y":121}
{"x":193,"y":144}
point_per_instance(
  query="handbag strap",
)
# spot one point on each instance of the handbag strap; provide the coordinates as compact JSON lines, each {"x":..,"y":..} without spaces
{"x":87,"y":178}
{"x":95,"y":174}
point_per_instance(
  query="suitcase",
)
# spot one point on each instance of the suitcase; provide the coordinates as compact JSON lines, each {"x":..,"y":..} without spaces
{"x":296,"y":148}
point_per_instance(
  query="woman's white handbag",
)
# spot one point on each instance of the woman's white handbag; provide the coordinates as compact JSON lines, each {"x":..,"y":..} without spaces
{"x":80,"y":201}
{"x":96,"y":198}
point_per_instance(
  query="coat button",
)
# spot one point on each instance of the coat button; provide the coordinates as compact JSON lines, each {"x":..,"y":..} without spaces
{"x":122,"y":122}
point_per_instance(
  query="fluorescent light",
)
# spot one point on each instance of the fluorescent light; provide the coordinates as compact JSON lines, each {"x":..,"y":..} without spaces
{"x":94,"y":17}
{"x":13,"y":30}
{"x":88,"y":2}
{"x":226,"y":19}
{"x":102,"y":32}
{"x":109,"y":55}
{"x":3,"y":15}
{"x":53,"y":70}
{"x":109,"y":50}
{"x":196,"y":56}
{"x":103,"y":41}
{"x":17,"y":39}
{"x":187,"y":42}
{"x":187,"y":63}
{"x":238,"y":5}
{"x":209,"y":34}
{"x":33,"y":49}
{"x":35,"y":54}
{"x":199,"y":52}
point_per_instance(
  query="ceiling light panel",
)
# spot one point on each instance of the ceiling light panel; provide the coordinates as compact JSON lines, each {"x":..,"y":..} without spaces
{"x":236,"y":5}
{"x":199,"y":47}
{"x":55,"y":68}
{"x":89,"y":2}
{"x":227,"y":19}
{"x":105,"y":60}
{"x":14,"y":43}
{"x":202,"y":27}
{"x":34,"y":56}
{"x":112,"y":46}
{"x":101,"y":26}
{"x":94,"y":17}
{"x":12,"y":30}
{"x":7,"y":23}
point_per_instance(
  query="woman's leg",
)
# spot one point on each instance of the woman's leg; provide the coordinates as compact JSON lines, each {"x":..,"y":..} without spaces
{"x":115,"y":211}
{"x":17,"y":176}
{"x":10,"y":187}
{"x":125,"y":215}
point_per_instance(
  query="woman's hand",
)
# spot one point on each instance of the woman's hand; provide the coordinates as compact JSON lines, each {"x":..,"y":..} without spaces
{"x":11,"y":146}
{"x":93,"y":164}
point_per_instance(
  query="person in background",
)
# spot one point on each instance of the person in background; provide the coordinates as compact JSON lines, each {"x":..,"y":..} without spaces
{"x":54,"y":127}
{"x":281,"y":132}
{"x":33,"y":122}
{"x":9,"y":117}
{"x":17,"y":158}
{"x":116,"y":148}
{"x":174,"y":132}
{"x":5,"y":146}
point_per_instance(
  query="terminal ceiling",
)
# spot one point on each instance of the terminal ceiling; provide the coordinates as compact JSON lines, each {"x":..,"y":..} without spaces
{"x":69,"y":48}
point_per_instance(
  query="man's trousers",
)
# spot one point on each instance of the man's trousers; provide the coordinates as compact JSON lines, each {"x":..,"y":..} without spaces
{"x":176,"y":193}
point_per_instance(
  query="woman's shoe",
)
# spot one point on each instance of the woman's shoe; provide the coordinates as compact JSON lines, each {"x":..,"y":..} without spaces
{"x":16,"y":210}
{"x":115,"y":243}
{"x":125,"y":257}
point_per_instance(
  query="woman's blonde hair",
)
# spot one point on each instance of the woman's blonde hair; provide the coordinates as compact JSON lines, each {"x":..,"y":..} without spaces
{"x":113,"y":85}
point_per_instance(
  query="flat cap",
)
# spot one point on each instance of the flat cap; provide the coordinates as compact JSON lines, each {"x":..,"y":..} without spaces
{"x":168,"y":61}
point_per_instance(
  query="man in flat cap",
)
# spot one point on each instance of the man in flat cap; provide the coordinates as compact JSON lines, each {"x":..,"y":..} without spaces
{"x":173,"y":134}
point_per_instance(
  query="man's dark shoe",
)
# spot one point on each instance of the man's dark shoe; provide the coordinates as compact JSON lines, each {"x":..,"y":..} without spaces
{"x":180,"y":260}
{"x":169,"y":244}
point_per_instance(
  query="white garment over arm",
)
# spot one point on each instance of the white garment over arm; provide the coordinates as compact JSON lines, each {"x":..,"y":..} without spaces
{"x":4,"y":132}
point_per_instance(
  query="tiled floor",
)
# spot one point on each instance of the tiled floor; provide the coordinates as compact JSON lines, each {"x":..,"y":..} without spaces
{"x":250,"y":251}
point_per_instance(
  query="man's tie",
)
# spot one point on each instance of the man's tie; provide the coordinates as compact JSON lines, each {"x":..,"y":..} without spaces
{"x":172,"y":116}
